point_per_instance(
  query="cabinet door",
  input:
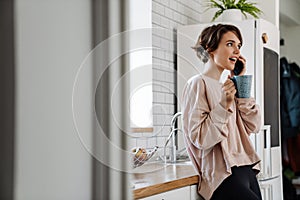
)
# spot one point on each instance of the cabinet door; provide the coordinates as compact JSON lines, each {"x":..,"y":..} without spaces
{"x":266,"y":191}
{"x":194,"y":193}
{"x":177,"y":194}
{"x":271,"y":189}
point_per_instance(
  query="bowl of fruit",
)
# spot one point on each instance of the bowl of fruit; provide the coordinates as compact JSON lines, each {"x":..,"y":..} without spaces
{"x":141,"y":155}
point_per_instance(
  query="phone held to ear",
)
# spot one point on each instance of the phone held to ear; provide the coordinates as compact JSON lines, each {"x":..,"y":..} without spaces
{"x":238,"y":67}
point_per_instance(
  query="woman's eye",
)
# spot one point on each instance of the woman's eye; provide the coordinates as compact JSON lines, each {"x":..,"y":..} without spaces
{"x":230,"y":44}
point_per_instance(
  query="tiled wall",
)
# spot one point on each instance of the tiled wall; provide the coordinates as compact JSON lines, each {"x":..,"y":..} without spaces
{"x":167,"y":15}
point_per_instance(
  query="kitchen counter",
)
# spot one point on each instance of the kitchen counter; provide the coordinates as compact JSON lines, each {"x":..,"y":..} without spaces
{"x":155,"y":178}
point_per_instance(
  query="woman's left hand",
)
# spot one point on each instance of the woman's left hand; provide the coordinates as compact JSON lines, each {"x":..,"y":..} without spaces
{"x":243,"y":60}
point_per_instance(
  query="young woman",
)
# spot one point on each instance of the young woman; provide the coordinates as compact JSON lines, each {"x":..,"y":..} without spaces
{"x":217,"y":125}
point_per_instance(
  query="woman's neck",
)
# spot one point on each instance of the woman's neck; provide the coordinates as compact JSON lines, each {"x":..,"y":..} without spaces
{"x":213,"y":72}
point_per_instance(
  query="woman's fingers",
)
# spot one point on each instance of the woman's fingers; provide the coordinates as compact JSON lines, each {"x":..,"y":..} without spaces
{"x":228,"y":84}
{"x":229,"y":87}
{"x":243,"y":60}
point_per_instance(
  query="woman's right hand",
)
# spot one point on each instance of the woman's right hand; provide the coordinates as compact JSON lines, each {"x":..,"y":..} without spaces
{"x":228,"y":92}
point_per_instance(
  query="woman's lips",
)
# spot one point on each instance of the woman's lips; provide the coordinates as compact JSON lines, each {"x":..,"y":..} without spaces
{"x":233,"y":59}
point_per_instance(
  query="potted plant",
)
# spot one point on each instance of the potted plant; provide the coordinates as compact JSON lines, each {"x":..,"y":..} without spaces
{"x":243,"y":6}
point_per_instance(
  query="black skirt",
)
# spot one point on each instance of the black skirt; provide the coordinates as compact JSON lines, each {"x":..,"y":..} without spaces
{"x":242,"y":184}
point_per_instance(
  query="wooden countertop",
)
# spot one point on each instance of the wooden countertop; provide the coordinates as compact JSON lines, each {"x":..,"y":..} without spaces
{"x":155,"y":178}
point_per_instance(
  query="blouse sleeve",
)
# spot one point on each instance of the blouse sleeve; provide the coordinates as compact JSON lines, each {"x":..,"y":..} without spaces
{"x":204,"y":127}
{"x":250,"y":114}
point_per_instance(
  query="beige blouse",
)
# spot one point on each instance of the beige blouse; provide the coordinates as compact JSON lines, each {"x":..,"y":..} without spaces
{"x":217,"y":139}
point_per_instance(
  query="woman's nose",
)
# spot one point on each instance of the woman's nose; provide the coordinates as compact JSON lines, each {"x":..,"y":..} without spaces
{"x":237,"y":50}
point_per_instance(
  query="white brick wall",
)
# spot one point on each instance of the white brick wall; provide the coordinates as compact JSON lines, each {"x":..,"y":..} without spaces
{"x":166,"y":16}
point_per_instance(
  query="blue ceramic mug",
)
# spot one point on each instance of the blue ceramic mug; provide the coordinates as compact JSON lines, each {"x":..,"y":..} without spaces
{"x":242,"y":85}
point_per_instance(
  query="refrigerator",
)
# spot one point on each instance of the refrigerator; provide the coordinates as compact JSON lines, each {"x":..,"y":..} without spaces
{"x":261,"y":50}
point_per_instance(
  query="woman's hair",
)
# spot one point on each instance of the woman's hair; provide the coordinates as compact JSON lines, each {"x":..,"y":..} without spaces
{"x":210,"y":38}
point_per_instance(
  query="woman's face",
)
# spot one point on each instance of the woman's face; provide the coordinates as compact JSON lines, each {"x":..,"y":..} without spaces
{"x":228,"y":51}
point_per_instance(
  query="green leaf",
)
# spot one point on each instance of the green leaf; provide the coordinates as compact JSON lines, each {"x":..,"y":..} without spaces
{"x":214,"y":4}
{"x":217,"y":14}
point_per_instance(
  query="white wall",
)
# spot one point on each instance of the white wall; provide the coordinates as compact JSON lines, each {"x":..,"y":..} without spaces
{"x":291,"y":43}
{"x":270,"y":10}
{"x":289,"y":12}
{"x":52,"y":39}
{"x":283,"y":34}
{"x":290,"y":29}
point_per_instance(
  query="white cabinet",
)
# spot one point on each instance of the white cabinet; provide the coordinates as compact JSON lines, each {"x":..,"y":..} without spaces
{"x":186,"y":193}
{"x":271,"y":189}
{"x":181,"y":193}
{"x":194,"y":193}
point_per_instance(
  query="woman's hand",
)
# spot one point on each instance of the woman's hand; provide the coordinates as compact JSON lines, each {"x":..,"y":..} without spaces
{"x":228,"y":92}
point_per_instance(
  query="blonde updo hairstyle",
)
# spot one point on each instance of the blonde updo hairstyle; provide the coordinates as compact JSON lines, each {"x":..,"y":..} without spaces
{"x":209,"y":39}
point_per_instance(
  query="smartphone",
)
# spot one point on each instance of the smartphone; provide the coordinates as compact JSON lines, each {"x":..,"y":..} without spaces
{"x":238,"y":67}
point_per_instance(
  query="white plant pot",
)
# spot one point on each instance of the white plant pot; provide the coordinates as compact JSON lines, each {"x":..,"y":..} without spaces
{"x":232,"y":15}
